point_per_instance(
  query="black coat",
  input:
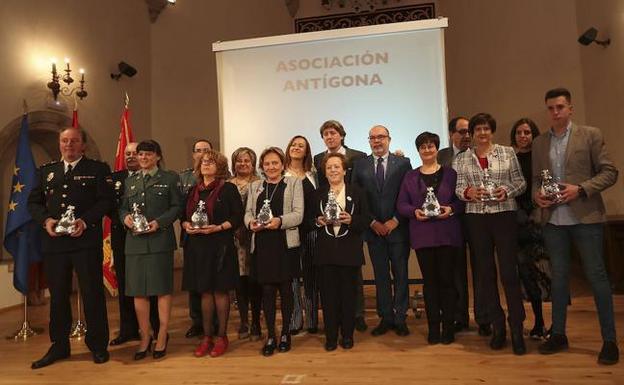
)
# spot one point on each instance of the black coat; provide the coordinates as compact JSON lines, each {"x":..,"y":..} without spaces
{"x":351,"y":155}
{"x":345,"y":248}
{"x":118,"y":229}
{"x":88,"y":187}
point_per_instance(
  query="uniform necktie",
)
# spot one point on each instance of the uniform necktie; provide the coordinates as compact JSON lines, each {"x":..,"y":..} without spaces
{"x":69,"y":169}
{"x":380,"y":172}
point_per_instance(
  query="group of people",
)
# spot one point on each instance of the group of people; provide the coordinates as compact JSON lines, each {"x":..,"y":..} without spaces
{"x":303,"y":222}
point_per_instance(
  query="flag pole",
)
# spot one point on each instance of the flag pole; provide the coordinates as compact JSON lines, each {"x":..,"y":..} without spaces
{"x":79,"y":329}
{"x":25,"y":332}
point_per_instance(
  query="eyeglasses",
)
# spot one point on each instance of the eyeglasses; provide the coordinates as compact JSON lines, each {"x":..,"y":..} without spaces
{"x":207,"y":162}
{"x":463,"y":132}
{"x":372,"y":138}
{"x":202,"y":150}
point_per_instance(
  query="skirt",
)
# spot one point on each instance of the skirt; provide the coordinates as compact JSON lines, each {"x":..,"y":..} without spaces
{"x":149,"y":274}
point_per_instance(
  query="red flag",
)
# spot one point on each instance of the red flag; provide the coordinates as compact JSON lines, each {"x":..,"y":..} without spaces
{"x":75,"y":118}
{"x":125,"y":137}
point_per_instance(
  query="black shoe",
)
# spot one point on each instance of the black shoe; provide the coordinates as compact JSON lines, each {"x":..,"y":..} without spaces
{"x":401,"y":330}
{"x":284,"y":344}
{"x":485,"y":330}
{"x":101,"y":357}
{"x":330,"y":346}
{"x":255,"y":332}
{"x":360,"y":324}
{"x":460,"y":326}
{"x":122,"y":339}
{"x":141,"y":354}
{"x":194,"y":331}
{"x":269,"y":348}
{"x":517,"y":341}
{"x":499,"y":337}
{"x":555,"y":344}
{"x":54,"y":354}
{"x":312,"y":330}
{"x":448,"y":335}
{"x":609,"y":354}
{"x":382,"y":328}
{"x":346,"y":343}
{"x":538,"y":332}
{"x":161,"y":353}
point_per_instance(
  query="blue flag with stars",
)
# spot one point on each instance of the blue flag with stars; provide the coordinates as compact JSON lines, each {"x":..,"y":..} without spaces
{"x":21,"y":235}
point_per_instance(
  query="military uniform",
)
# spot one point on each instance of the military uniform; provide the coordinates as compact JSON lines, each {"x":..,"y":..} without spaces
{"x":88,"y":188}
{"x":149,"y":257}
{"x":128,"y":326}
{"x":187,"y":182}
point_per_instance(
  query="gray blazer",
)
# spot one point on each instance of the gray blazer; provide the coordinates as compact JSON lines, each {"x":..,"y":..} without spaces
{"x":293,"y":209}
{"x":586,"y":163}
{"x":445,"y":156}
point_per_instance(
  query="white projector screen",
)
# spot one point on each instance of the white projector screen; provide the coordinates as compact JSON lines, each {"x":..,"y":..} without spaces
{"x":271,"y":89}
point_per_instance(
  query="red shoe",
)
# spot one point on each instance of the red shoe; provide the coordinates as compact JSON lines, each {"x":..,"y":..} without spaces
{"x":220,"y":346}
{"x":204,"y":347}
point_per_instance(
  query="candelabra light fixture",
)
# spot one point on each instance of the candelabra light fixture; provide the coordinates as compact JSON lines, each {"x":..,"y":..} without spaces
{"x":68,"y":88}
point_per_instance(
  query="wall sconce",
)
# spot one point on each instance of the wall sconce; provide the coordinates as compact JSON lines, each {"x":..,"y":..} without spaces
{"x":590,"y":37}
{"x":55,"y":84}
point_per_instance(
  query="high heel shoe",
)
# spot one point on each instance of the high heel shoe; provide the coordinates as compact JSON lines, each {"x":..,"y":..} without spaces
{"x":269,"y":347}
{"x":141,"y":354}
{"x":220,"y":346}
{"x":204,"y":347}
{"x":161,"y":353}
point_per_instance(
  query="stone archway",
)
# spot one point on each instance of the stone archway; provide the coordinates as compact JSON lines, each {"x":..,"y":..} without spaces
{"x":43,"y":127}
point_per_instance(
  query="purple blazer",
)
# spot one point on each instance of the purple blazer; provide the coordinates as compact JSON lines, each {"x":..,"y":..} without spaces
{"x":434,"y":232}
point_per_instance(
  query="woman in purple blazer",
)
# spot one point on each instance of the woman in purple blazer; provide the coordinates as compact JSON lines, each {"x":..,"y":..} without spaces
{"x":435,"y":239}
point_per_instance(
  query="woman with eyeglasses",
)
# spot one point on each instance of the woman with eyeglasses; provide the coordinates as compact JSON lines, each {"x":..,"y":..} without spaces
{"x":339,"y":255}
{"x":274,"y":210}
{"x":489,"y":178}
{"x":155,"y":194}
{"x":210,"y":263}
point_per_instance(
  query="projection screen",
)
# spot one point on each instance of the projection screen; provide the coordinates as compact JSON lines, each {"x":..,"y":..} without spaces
{"x":273,"y":88}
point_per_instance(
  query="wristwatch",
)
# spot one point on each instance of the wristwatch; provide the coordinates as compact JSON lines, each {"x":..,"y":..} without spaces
{"x":581,"y":191}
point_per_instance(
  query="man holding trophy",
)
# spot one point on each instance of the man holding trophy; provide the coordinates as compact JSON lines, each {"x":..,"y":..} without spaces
{"x":69,"y":201}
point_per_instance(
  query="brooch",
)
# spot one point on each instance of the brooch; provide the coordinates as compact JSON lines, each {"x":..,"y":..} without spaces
{"x":50,"y":176}
{"x":117,"y":185}
{"x":349,"y":198}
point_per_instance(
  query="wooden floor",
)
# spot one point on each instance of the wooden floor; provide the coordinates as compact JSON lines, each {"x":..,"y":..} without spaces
{"x":374,"y":360}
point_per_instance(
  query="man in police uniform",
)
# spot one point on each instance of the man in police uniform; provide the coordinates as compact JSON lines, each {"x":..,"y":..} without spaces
{"x":128,"y":326}
{"x":84,"y":184}
{"x":188,"y":180}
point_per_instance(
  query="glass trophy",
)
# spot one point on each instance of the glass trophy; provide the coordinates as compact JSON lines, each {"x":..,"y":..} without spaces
{"x":139,"y":222}
{"x":67,"y":224}
{"x":431,"y":206}
{"x":332,"y":209}
{"x":549,"y":188}
{"x":199,"y":219}
{"x":265,"y":215}
{"x":488,"y":184}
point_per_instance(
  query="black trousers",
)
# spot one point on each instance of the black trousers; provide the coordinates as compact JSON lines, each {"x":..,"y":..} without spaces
{"x":461,"y":283}
{"x":339,"y":287}
{"x":490,"y":232}
{"x":128,"y":324}
{"x":88,"y":266}
{"x":437,"y":265}
{"x":269,"y":299}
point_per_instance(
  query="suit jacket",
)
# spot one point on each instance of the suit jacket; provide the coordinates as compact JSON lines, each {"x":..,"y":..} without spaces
{"x":433,"y":232}
{"x":293,"y":209}
{"x":87,"y":187}
{"x":159,"y":199}
{"x":382,"y":202}
{"x":586,"y":163}
{"x":351,"y":155}
{"x":445,"y":156}
{"x":345,"y":248}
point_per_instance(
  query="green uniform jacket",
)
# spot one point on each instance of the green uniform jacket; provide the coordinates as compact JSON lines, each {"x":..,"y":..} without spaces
{"x":159,"y":199}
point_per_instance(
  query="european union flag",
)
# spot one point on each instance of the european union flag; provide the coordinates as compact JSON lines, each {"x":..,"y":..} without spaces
{"x":21,"y":235}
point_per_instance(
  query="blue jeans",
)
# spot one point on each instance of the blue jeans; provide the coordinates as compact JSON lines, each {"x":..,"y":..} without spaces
{"x":588,"y":239}
{"x":386,"y":257}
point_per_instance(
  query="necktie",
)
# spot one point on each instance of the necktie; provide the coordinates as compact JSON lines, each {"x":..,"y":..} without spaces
{"x":69,"y":169}
{"x":379,"y":174}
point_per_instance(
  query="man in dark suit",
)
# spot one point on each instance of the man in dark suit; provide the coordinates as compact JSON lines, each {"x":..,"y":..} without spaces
{"x":83,"y":185}
{"x":380,"y":175}
{"x":460,"y":141}
{"x":128,"y":326}
{"x":333,"y":134}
